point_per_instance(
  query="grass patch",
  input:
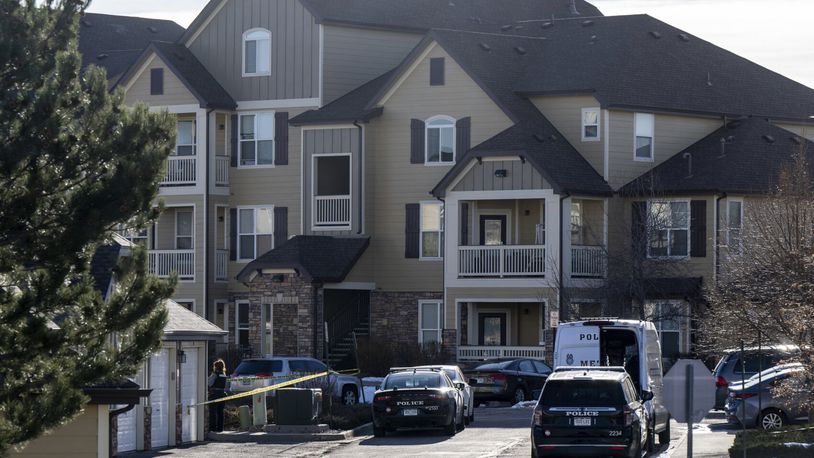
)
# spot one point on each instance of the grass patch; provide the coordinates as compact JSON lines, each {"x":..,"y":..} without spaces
{"x":770,"y":444}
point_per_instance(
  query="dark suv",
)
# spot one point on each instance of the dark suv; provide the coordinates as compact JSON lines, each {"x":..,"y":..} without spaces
{"x":590,"y":412}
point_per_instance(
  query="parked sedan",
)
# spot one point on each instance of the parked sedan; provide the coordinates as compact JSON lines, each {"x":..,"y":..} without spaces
{"x":454,"y":373}
{"x":732,"y":369}
{"x":511,"y":380}
{"x":754,"y":403}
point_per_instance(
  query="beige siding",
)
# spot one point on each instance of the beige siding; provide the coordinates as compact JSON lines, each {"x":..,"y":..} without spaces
{"x":542,"y":294}
{"x":519,"y":176}
{"x":76,"y":438}
{"x":806,"y":131}
{"x":363,"y":269}
{"x":396,"y":182}
{"x":175,"y":92}
{"x":165,"y":240}
{"x":354,"y":56}
{"x":294,"y":49}
{"x":672,"y":135}
{"x":565,"y":112}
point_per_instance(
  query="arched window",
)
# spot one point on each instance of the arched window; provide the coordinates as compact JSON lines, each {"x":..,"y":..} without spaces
{"x":440,"y":140}
{"x":256,"y":52}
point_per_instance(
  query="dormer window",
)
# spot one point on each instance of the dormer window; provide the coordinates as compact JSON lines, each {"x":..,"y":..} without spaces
{"x":257,"y":52}
{"x":590,"y":124}
{"x":440,"y":140}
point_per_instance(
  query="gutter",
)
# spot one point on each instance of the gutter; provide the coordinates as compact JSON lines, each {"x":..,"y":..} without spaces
{"x":563,"y":315}
{"x":207,"y":266}
{"x":361,"y":161}
{"x":716,"y":250}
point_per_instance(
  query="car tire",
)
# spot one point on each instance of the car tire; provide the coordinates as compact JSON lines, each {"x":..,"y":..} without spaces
{"x":771,"y":419}
{"x":349,"y":396}
{"x":637,"y":448}
{"x":451,"y":428}
{"x":379,"y":432}
{"x":466,"y":418}
{"x":664,"y":436}
{"x":651,"y":441}
{"x":472,"y":416}
{"x":519,"y":394}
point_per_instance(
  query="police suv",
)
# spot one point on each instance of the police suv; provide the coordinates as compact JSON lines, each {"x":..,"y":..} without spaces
{"x":590,"y":412}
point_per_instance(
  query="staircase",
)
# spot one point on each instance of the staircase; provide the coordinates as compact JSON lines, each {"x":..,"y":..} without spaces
{"x":352,"y":321}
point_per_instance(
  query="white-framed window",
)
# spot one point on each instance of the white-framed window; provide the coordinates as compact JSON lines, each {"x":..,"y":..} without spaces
{"x":432,"y":230}
{"x":668,"y":229}
{"x":734,"y":225}
{"x":671,"y":318}
{"x":185,"y":138}
{"x":255,"y":232}
{"x":440,"y":134}
{"x":256,"y":140}
{"x":188,"y":304}
{"x":590,"y":124}
{"x":429,"y":322}
{"x":257,"y":52}
{"x":576,"y":223}
{"x":644,"y":126}
{"x":183,"y":229}
{"x":242,"y":324}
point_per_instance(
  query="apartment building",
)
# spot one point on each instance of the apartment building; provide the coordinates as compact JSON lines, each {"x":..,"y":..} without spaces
{"x":464,"y":174}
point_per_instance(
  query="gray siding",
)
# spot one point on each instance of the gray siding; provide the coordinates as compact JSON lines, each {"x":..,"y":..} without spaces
{"x":330,"y":141}
{"x":519,"y":176}
{"x":354,"y":56}
{"x":805,"y":131}
{"x":565,"y":112}
{"x":294,"y":45}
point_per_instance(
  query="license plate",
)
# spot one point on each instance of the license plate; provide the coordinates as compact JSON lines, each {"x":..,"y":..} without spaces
{"x":410,"y":412}
{"x":582,"y":422}
{"x":481,"y":380}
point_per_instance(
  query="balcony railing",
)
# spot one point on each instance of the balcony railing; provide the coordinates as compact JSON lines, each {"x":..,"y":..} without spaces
{"x":332,"y":211}
{"x":221,"y":171}
{"x":222,"y":265}
{"x":587,"y":261}
{"x":164,"y":263}
{"x":480,"y":353}
{"x":501,"y":261}
{"x":180,"y":171}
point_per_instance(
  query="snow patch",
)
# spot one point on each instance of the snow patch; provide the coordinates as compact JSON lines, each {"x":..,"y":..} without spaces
{"x":369,"y":391}
{"x":525,"y":405}
{"x":798,"y":444}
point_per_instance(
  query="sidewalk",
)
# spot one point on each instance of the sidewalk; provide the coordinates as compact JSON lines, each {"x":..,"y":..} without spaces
{"x":711,"y":438}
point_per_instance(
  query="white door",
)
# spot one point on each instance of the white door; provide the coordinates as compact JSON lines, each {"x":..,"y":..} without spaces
{"x":189,"y":395}
{"x":159,"y":400}
{"x":126,"y":434}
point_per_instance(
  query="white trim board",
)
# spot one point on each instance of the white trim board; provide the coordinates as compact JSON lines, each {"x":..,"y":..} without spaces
{"x":245,"y":105}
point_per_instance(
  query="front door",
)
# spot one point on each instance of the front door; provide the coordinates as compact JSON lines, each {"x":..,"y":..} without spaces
{"x":492,"y":327}
{"x":493,"y":230}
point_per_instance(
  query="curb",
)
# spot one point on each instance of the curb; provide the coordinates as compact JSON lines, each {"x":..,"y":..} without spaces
{"x":271,"y":438}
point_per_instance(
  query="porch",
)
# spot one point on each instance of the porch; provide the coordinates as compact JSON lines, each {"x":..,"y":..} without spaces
{"x":182,"y":163}
{"x":489,"y":330}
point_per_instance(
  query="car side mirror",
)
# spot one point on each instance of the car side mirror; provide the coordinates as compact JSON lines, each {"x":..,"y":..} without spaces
{"x":647,"y":395}
{"x":473,"y":382}
{"x":460,"y":385}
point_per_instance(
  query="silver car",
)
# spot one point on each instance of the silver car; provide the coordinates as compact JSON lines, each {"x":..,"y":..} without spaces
{"x":754,"y":403}
{"x":730,"y":369}
{"x":454,"y":373}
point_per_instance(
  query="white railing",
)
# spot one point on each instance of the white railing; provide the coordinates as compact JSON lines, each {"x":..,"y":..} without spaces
{"x":164,"y":263}
{"x":331,"y":211}
{"x":501,"y":261}
{"x":180,"y":171}
{"x":221,"y":171}
{"x":587,"y":261}
{"x":222,"y":265}
{"x":481,"y":353}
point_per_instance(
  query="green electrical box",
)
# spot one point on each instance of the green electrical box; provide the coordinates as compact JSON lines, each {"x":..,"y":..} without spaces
{"x":297,"y":406}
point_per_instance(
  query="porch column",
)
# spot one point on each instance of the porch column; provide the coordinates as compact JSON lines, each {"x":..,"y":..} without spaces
{"x":451,"y":236}
{"x":552,"y":227}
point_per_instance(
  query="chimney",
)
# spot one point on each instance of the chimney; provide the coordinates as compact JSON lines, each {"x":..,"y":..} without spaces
{"x":573,"y":6}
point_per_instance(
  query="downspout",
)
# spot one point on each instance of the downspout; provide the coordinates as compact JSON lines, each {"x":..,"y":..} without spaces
{"x":444,"y":279}
{"x":360,"y":229}
{"x":716,"y":250}
{"x":563,"y":314}
{"x":207,"y":265}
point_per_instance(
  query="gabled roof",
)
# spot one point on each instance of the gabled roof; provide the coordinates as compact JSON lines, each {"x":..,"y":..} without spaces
{"x":351,"y":107}
{"x":754,"y":151}
{"x":116,"y":42}
{"x":183,"y":324}
{"x":105,"y":261}
{"x":321,"y":259}
{"x":189,"y":70}
{"x":422,"y":15}
{"x":640,"y":62}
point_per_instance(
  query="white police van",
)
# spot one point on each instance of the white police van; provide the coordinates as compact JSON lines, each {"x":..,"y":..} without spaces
{"x":613,"y":342}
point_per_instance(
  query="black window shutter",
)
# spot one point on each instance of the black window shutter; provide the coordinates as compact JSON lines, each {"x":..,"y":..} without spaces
{"x":698,"y":228}
{"x":638,"y":230}
{"x":417,"y":141}
{"x":280,"y":226}
{"x":281,"y":140}
{"x":157,"y":81}
{"x":464,"y":224}
{"x":412,"y":232}
{"x":437,"y":71}
{"x":233,"y":141}
{"x":463,"y":136}
{"x":233,"y":234}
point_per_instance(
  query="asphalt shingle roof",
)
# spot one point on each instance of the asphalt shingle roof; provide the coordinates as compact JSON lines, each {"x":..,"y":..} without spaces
{"x":320,"y":258}
{"x":116,"y":42}
{"x":194,"y":75}
{"x":755,"y":150}
{"x":352,"y":106}
{"x":183,"y":324}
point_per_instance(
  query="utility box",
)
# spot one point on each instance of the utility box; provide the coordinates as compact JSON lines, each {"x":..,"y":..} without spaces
{"x":297,"y":406}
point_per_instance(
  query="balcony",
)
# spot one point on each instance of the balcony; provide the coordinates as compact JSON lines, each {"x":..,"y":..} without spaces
{"x":469,"y":353}
{"x":501,"y":261}
{"x":222,"y":171}
{"x":163,"y":263}
{"x":180,"y":171}
{"x":331,"y":211}
{"x":587,"y":261}
{"x":222,"y":265}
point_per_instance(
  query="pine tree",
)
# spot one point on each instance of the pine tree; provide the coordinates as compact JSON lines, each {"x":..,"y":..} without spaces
{"x":74,"y":164}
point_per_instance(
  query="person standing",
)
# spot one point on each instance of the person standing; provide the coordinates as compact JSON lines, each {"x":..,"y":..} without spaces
{"x":217,"y":390}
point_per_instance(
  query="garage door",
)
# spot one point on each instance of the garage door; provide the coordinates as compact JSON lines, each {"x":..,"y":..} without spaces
{"x":126,"y":434}
{"x":159,"y":401}
{"x":189,"y":395}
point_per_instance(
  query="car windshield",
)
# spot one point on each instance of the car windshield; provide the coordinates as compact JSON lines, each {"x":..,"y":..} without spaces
{"x":254,"y":367}
{"x":413,"y":380}
{"x":582,"y":393}
{"x":452,"y":374}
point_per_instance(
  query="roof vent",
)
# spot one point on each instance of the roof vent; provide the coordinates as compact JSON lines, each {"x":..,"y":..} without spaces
{"x":593,"y":39}
{"x":484,"y":47}
{"x":538,"y":138}
{"x":723,"y":148}
{"x":683,"y":37}
{"x":797,"y":140}
{"x":768,"y":138}
{"x":553,"y":138}
{"x":518,"y":27}
{"x":451,"y":3}
{"x":152,"y":29}
{"x":573,"y":7}
{"x":688,"y":157}
{"x":709,"y":79}
{"x":506,"y":27}
{"x":655,"y":34}
{"x":86,"y":22}
{"x":520,"y":50}
{"x":546,"y":24}
{"x":587,"y":23}
{"x":102,"y":56}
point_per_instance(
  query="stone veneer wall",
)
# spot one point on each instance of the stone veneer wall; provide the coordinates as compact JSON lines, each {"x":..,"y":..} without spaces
{"x":394,"y":315}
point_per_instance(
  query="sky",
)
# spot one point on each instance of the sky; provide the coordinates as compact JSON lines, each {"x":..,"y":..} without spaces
{"x":774,"y":33}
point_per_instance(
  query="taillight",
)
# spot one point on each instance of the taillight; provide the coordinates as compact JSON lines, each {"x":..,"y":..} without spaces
{"x":744,"y":395}
{"x":721,"y":382}
{"x":381,"y":397}
{"x":628,"y":414}
{"x":537,"y":419}
{"x":264,"y":374}
{"x":498,"y":377}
